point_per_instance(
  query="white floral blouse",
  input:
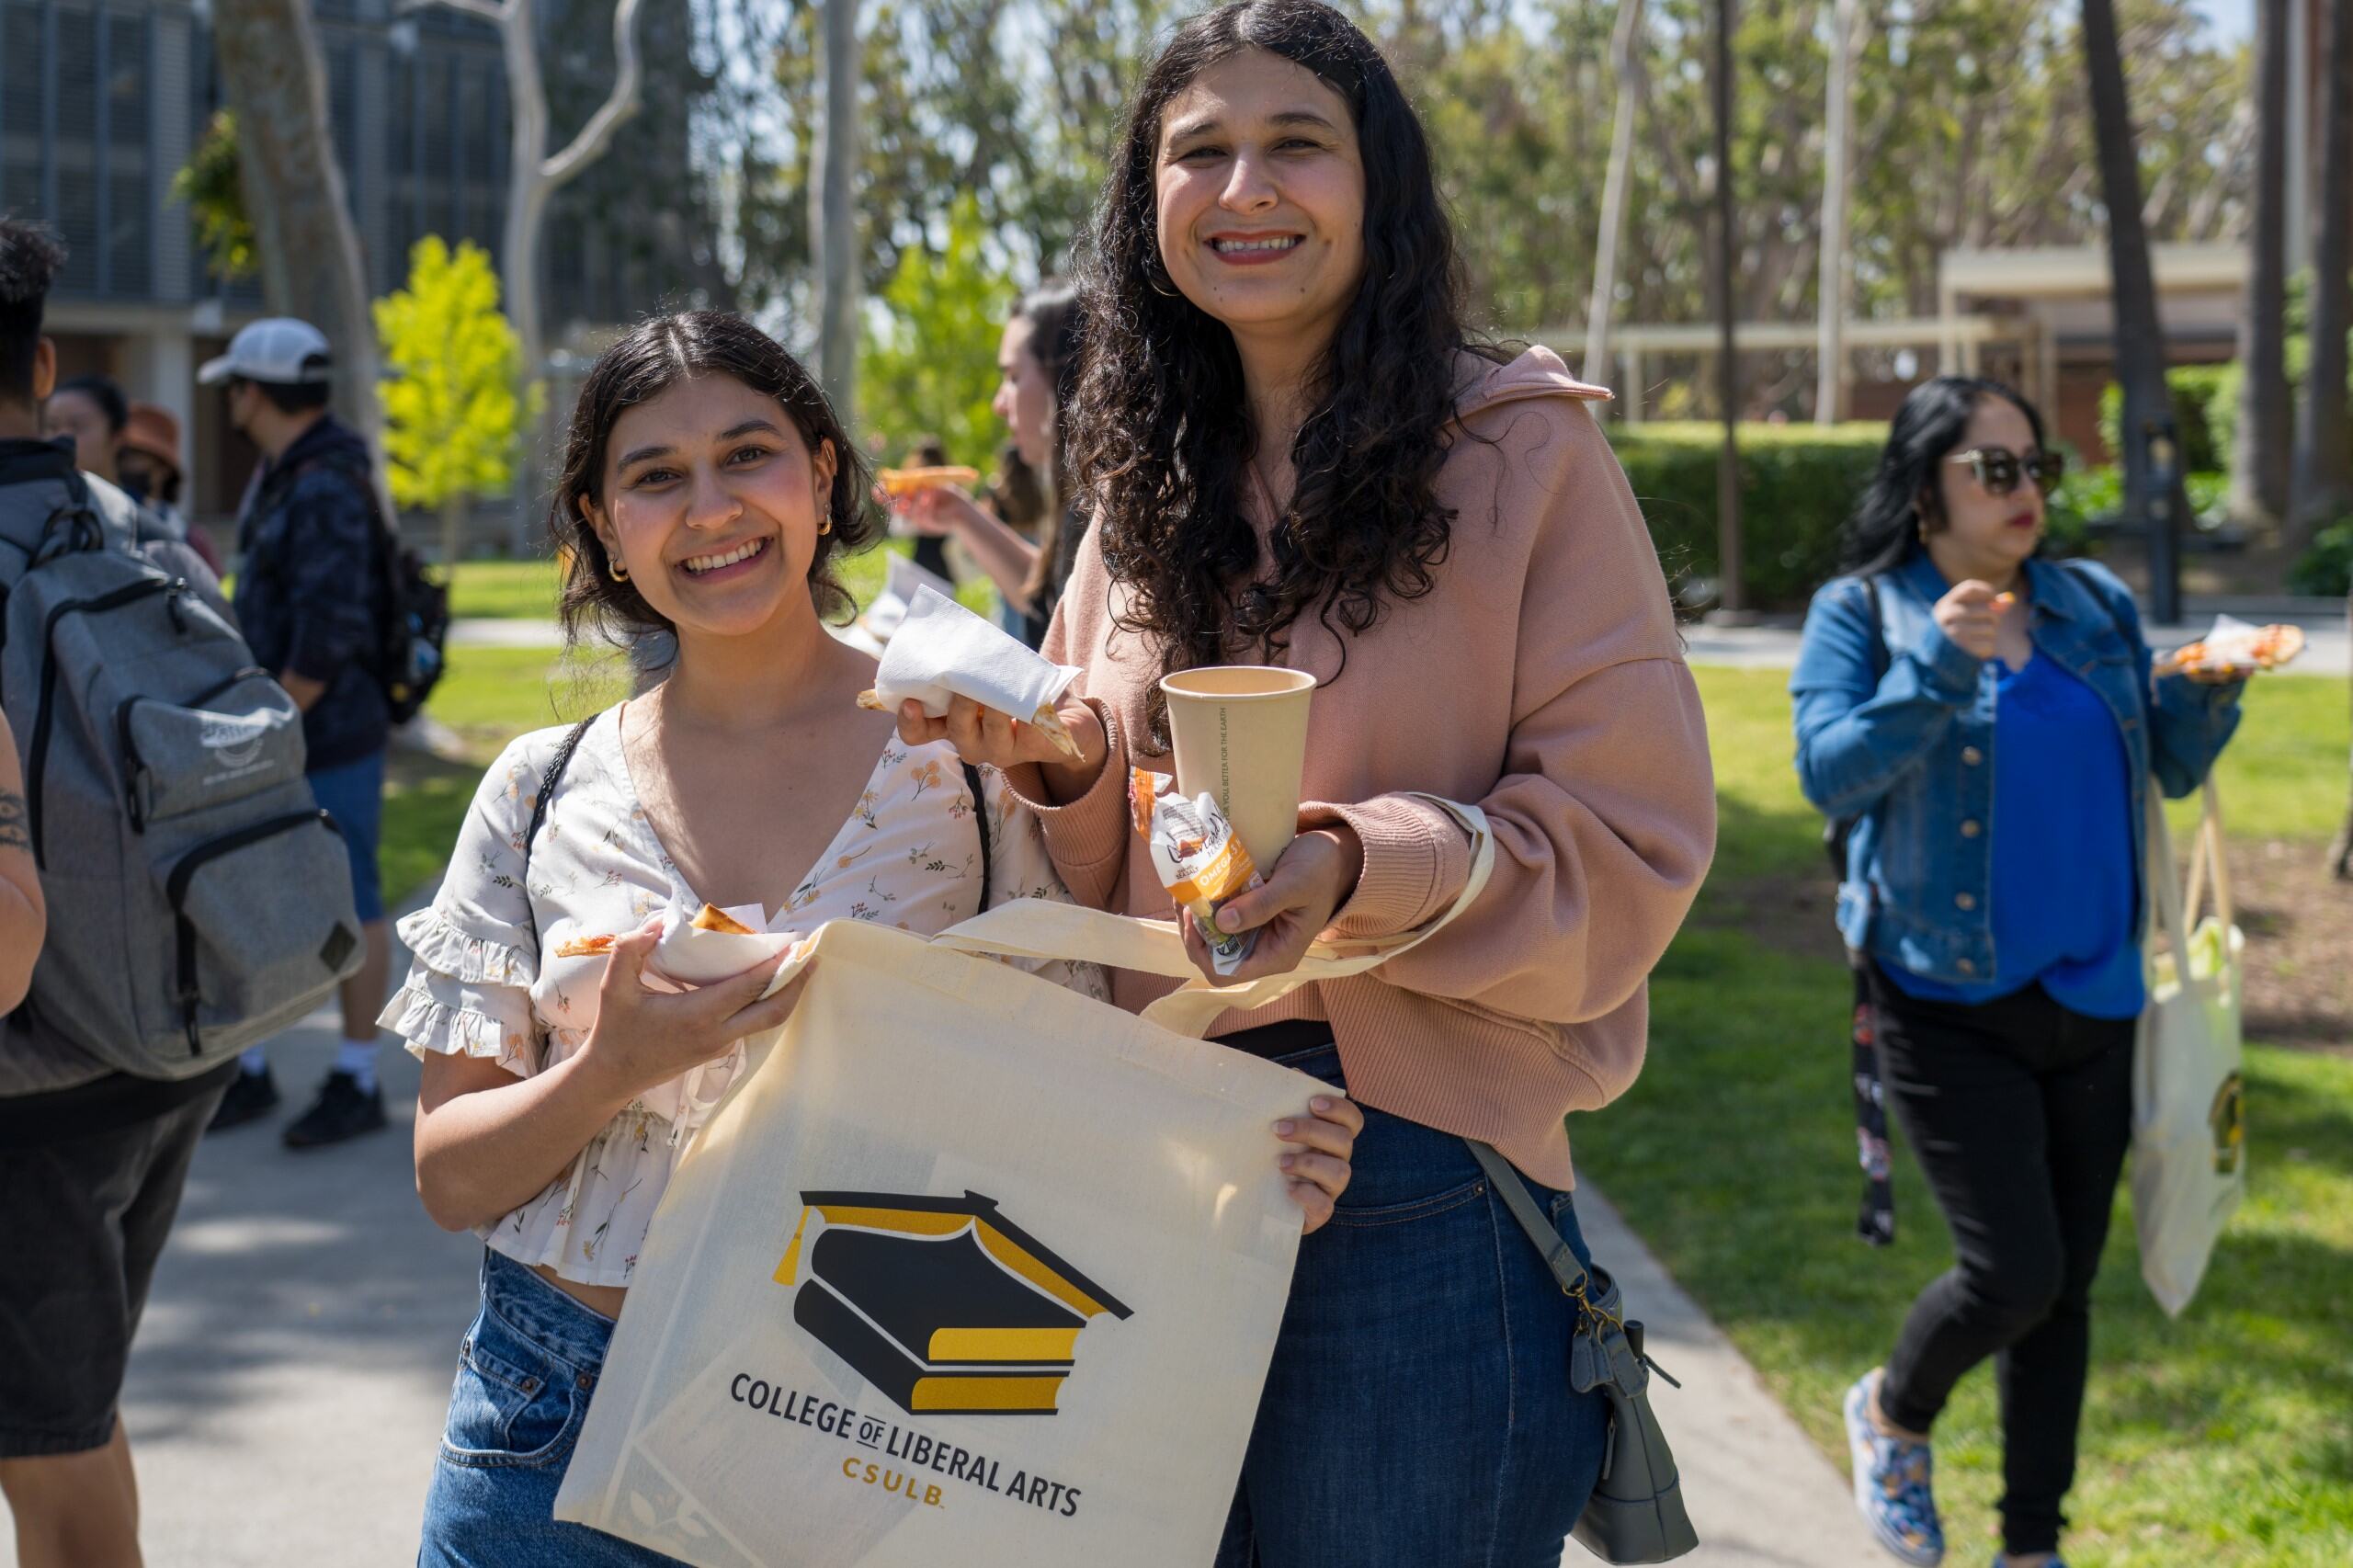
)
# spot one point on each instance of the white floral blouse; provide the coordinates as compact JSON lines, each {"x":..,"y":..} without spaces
{"x":485,"y":984}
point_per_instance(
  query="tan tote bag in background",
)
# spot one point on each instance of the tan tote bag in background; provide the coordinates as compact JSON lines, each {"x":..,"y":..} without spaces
{"x":967,"y":1268}
{"x":2189,"y":1109}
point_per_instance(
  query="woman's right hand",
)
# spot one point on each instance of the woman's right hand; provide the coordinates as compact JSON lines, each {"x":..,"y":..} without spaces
{"x":986,"y":738}
{"x":1970,"y":617}
{"x":645,"y":1037}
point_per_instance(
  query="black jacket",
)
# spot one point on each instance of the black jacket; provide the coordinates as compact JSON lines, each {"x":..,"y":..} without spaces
{"x":309,"y":588}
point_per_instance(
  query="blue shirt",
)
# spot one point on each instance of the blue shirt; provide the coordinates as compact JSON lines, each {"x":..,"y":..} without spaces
{"x":2065,"y":886}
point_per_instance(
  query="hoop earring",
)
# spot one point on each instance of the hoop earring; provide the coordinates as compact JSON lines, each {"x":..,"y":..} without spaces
{"x":617,"y":573}
{"x":1153,"y":273}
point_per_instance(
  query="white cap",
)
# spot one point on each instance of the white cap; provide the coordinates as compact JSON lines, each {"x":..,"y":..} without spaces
{"x":280,"y":349}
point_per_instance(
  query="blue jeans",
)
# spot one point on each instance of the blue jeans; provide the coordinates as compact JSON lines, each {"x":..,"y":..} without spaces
{"x":1419,"y":1409}
{"x":525,"y":1373}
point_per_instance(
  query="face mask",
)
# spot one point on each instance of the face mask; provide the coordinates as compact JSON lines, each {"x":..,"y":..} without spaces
{"x":135,"y":486}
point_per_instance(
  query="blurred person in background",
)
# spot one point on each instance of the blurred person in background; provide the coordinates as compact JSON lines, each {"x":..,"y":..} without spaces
{"x":93,"y":411}
{"x":1038,"y":363}
{"x":147,"y":466}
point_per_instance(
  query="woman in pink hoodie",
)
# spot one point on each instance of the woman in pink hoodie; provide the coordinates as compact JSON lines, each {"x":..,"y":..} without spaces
{"x":1293,"y":452}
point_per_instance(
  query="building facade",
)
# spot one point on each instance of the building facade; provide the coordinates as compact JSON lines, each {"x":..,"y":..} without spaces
{"x":102,"y":102}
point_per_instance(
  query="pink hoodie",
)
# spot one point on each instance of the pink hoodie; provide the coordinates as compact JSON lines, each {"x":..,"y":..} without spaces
{"x":1541,"y":679}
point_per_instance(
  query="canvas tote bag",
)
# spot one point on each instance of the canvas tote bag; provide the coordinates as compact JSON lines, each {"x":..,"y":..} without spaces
{"x":2188,"y":1111}
{"x":966,"y":1268}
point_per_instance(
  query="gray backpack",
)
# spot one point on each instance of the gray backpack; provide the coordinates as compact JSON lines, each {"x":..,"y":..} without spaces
{"x":198,"y":899}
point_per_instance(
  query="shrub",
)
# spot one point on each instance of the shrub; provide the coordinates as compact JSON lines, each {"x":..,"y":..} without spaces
{"x":2326,"y":568}
{"x":1798,"y":483}
{"x":2203,"y":396}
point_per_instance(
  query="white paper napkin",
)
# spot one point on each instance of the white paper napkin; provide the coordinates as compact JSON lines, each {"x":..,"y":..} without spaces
{"x":690,"y":956}
{"x":942,"y":650}
{"x":902,"y":581}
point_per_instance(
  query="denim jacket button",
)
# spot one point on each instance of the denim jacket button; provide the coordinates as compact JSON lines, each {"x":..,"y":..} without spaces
{"x":1971,"y":756}
{"x":1964,"y":901}
{"x":1966,"y":966}
{"x":1971,"y":828}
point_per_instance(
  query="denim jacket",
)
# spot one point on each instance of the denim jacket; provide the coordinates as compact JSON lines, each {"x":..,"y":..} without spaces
{"x":1910,"y":752}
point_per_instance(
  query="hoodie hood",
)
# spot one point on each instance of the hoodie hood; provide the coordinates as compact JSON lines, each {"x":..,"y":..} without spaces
{"x":1538,"y":372}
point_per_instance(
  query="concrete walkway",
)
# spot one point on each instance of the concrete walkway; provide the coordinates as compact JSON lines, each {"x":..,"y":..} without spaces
{"x":288,"y":1388}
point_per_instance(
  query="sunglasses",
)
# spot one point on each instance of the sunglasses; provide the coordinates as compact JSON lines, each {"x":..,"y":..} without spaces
{"x":1999,"y":468}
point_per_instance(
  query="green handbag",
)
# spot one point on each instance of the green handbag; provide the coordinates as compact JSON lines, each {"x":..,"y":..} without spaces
{"x":1635,"y":1514}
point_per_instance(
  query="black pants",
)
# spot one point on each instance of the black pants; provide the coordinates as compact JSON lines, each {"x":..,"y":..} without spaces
{"x":2019,"y":1112}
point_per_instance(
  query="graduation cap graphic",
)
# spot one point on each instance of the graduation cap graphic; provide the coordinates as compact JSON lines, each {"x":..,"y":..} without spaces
{"x":942,"y":1304}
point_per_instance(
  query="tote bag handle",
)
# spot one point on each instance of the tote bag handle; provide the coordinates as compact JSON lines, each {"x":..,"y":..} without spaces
{"x":1040,"y":928}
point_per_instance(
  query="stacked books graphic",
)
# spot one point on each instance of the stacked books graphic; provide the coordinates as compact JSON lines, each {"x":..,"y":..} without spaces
{"x":942,"y":1304}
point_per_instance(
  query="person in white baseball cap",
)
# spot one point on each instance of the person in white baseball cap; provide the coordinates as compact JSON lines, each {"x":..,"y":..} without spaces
{"x":279,"y":350}
{"x":310,"y":594}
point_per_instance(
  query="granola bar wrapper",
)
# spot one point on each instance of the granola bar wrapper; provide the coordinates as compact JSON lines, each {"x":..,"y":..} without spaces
{"x":939,"y":649}
{"x":1201,"y":860}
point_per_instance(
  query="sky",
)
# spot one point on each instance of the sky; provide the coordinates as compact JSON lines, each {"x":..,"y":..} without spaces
{"x":2232,"y":18}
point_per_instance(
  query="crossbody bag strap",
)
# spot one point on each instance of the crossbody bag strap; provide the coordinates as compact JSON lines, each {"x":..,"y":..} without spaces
{"x":562,"y":760}
{"x":1559,"y":1256}
{"x":981,"y":821}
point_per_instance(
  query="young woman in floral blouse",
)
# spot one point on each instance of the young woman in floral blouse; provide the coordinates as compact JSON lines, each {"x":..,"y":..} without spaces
{"x":706,"y":488}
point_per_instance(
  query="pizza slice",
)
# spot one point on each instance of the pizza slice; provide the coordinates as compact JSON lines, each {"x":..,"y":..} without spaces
{"x":899,"y":482}
{"x":711,"y":917}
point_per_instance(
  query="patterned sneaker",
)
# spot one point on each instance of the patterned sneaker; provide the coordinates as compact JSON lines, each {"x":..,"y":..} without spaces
{"x":1892,"y":1486}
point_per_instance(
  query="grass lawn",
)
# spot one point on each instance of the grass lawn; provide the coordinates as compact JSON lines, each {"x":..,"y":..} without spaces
{"x":489,"y":696}
{"x":2224,"y":1439}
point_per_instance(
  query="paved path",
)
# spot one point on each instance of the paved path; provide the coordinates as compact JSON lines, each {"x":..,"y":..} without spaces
{"x":287,"y":1392}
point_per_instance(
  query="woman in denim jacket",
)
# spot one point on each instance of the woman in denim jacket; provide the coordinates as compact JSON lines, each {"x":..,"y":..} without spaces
{"x":1993,"y":737}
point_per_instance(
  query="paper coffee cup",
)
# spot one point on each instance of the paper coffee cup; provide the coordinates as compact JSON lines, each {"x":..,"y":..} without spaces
{"x":1240,"y":735}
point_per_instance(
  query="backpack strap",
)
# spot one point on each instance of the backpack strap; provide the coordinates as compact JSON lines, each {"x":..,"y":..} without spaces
{"x":981,"y":821}
{"x":556,"y":766}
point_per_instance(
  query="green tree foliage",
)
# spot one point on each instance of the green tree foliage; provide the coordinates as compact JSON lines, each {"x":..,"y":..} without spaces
{"x":929,"y":364}
{"x":214,"y":188}
{"x":454,"y":414}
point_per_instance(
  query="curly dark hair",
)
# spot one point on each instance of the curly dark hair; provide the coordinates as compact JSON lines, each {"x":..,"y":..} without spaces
{"x":654,"y":356}
{"x":1162,"y":438}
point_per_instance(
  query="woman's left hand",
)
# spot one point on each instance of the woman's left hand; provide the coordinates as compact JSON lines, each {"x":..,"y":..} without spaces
{"x":1315,"y":1166}
{"x":1306,"y":888}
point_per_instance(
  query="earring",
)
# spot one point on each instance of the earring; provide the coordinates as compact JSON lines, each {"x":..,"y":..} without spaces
{"x":1920,"y":522}
{"x":1154,"y":271}
{"x":616,"y":571}
{"x":827,"y":529}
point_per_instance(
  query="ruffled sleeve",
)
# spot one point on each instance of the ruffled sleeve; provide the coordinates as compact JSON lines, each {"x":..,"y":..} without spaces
{"x":469,"y":991}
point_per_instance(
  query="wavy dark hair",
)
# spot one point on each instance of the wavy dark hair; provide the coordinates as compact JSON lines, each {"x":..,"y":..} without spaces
{"x":655,"y":355}
{"x":1162,"y":438}
{"x":1904,"y":496}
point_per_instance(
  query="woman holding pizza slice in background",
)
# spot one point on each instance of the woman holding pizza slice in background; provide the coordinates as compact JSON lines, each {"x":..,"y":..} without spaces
{"x":1990,"y":723}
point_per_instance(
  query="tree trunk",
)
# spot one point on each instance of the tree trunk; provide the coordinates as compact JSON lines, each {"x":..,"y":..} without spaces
{"x":276,"y":81}
{"x":2325,"y":465}
{"x":1623,"y":64}
{"x":453,"y":530}
{"x":1832,"y":372}
{"x":2260,"y":465}
{"x":1731,"y":597}
{"x":2153,"y":478}
{"x":832,"y":219}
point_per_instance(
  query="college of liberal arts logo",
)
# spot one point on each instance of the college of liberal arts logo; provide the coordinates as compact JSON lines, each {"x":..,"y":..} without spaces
{"x":941,"y":1304}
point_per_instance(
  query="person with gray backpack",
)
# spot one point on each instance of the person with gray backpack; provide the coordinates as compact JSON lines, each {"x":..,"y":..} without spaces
{"x":197,"y":900}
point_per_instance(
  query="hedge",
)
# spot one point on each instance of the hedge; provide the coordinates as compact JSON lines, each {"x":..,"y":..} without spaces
{"x":2205,"y":414}
{"x":1797,"y":483}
